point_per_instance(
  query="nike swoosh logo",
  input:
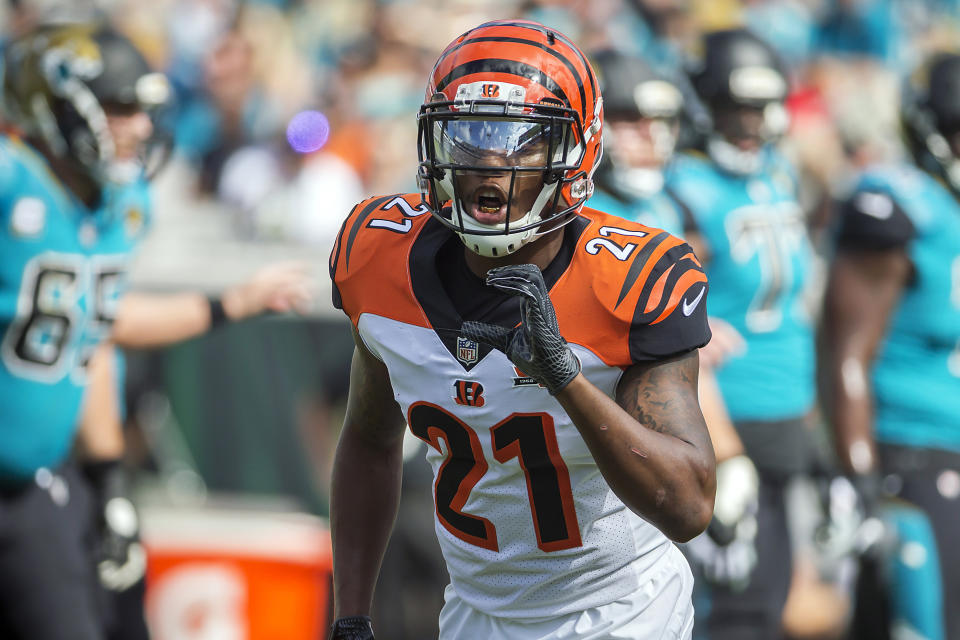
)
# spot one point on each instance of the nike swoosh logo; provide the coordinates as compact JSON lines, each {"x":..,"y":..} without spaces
{"x":689,"y":307}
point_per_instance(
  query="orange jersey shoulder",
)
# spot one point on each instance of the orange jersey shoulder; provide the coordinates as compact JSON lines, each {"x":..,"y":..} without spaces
{"x":631,"y":292}
{"x":370,"y":261}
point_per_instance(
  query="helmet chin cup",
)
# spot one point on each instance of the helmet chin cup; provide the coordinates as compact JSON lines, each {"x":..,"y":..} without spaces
{"x":732,"y":159}
{"x":121,"y":172}
{"x":493,"y":240}
{"x":495,"y":246}
{"x":638,"y":183}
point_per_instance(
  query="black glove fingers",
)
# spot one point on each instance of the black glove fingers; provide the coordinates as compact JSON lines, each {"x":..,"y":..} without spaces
{"x":525,"y":271}
{"x":491,"y":334}
{"x":515,"y":287}
{"x":525,"y":279}
{"x":536,"y":347}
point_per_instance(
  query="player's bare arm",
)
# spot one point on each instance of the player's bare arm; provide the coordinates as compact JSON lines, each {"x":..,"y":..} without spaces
{"x":149,"y":320}
{"x":653,"y":447}
{"x":651,"y":444}
{"x":862,"y":293}
{"x":365,"y":491}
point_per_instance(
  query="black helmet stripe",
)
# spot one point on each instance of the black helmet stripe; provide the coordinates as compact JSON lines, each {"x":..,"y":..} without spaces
{"x":556,"y":54}
{"x":500,"y":65}
{"x":562,"y":38}
{"x":358,"y":223}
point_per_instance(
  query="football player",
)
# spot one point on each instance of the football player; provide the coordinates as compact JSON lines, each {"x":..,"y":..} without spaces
{"x":752,"y":238}
{"x":892,"y":322}
{"x":641,"y":123}
{"x":642,"y":111}
{"x":546,"y":352}
{"x":73,"y":203}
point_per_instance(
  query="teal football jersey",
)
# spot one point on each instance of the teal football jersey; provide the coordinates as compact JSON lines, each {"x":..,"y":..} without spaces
{"x":759,"y":264}
{"x":916,"y":373}
{"x":62,"y":271}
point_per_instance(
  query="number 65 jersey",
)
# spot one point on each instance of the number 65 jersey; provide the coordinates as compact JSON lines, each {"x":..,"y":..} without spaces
{"x":527,"y":524}
{"x":62,"y":272}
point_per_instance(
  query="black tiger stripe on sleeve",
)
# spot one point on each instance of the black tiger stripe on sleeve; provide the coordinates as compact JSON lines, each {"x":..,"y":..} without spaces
{"x":334,"y":259}
{"x":347,"y":237}
{"x":368,"y":207}
{"x":671,"y":314}
{"x":641,"y":263}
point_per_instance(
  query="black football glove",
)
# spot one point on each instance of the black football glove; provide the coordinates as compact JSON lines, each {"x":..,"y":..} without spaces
{"x":121,"y":559}
{"x":352,"y":628}
{"x":536,"y":346}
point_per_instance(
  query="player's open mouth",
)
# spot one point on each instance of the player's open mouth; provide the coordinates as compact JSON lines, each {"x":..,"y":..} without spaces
{"x":488,"y":205}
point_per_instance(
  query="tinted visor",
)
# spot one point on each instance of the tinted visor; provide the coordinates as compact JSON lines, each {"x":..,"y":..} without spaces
{"x":496,"y":142}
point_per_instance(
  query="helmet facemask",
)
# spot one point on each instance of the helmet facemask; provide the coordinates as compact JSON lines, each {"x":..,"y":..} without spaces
{"x":84,"y":123}
{"x":931,"y":120}
{"x":66,"y":82}
{"x":641,"y":140}
{"x":509,"y":172}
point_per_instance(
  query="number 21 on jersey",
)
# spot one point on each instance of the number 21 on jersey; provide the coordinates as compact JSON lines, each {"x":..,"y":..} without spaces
{"x":529,"y":437}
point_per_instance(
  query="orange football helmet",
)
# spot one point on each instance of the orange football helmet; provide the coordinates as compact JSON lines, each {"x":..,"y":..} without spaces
{"x":509,"y":98}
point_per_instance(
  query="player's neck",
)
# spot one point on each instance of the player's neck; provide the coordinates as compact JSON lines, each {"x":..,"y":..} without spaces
{"x":540,"y":252}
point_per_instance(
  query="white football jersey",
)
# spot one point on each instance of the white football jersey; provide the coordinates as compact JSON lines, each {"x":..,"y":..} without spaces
{"x":528,"y":526}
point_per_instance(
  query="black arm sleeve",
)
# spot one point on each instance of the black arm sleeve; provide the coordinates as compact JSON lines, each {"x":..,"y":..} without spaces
{"x":873,"y":220}
{"x":671,"y":315}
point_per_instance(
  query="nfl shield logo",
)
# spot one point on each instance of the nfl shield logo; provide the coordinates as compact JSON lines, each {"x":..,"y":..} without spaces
{"x":467,"y":350}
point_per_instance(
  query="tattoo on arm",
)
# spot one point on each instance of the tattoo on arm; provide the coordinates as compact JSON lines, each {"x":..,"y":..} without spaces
{"x":662,"y":396}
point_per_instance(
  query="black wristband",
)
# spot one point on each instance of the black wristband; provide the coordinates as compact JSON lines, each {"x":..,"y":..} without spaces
{"x":218,"y":317}
{"x":104,"y":476}
{"x":352,"y":628}
{"x":108,"y":481}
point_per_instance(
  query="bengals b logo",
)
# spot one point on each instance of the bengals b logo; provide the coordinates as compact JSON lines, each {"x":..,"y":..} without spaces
{"x":468,"y":393}
{"x":490,"y":91}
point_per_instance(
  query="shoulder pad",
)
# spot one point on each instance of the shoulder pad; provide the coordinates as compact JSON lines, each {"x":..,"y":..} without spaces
{"x":873,"y":218}
{"x":633,"y":293}
{"x":369,"y":260}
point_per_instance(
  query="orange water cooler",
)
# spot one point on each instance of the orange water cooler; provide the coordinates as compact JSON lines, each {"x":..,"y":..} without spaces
{"x":222,"y":574}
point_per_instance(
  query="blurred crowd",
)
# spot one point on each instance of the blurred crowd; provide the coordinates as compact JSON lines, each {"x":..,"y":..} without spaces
{"x":242,"y":70}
